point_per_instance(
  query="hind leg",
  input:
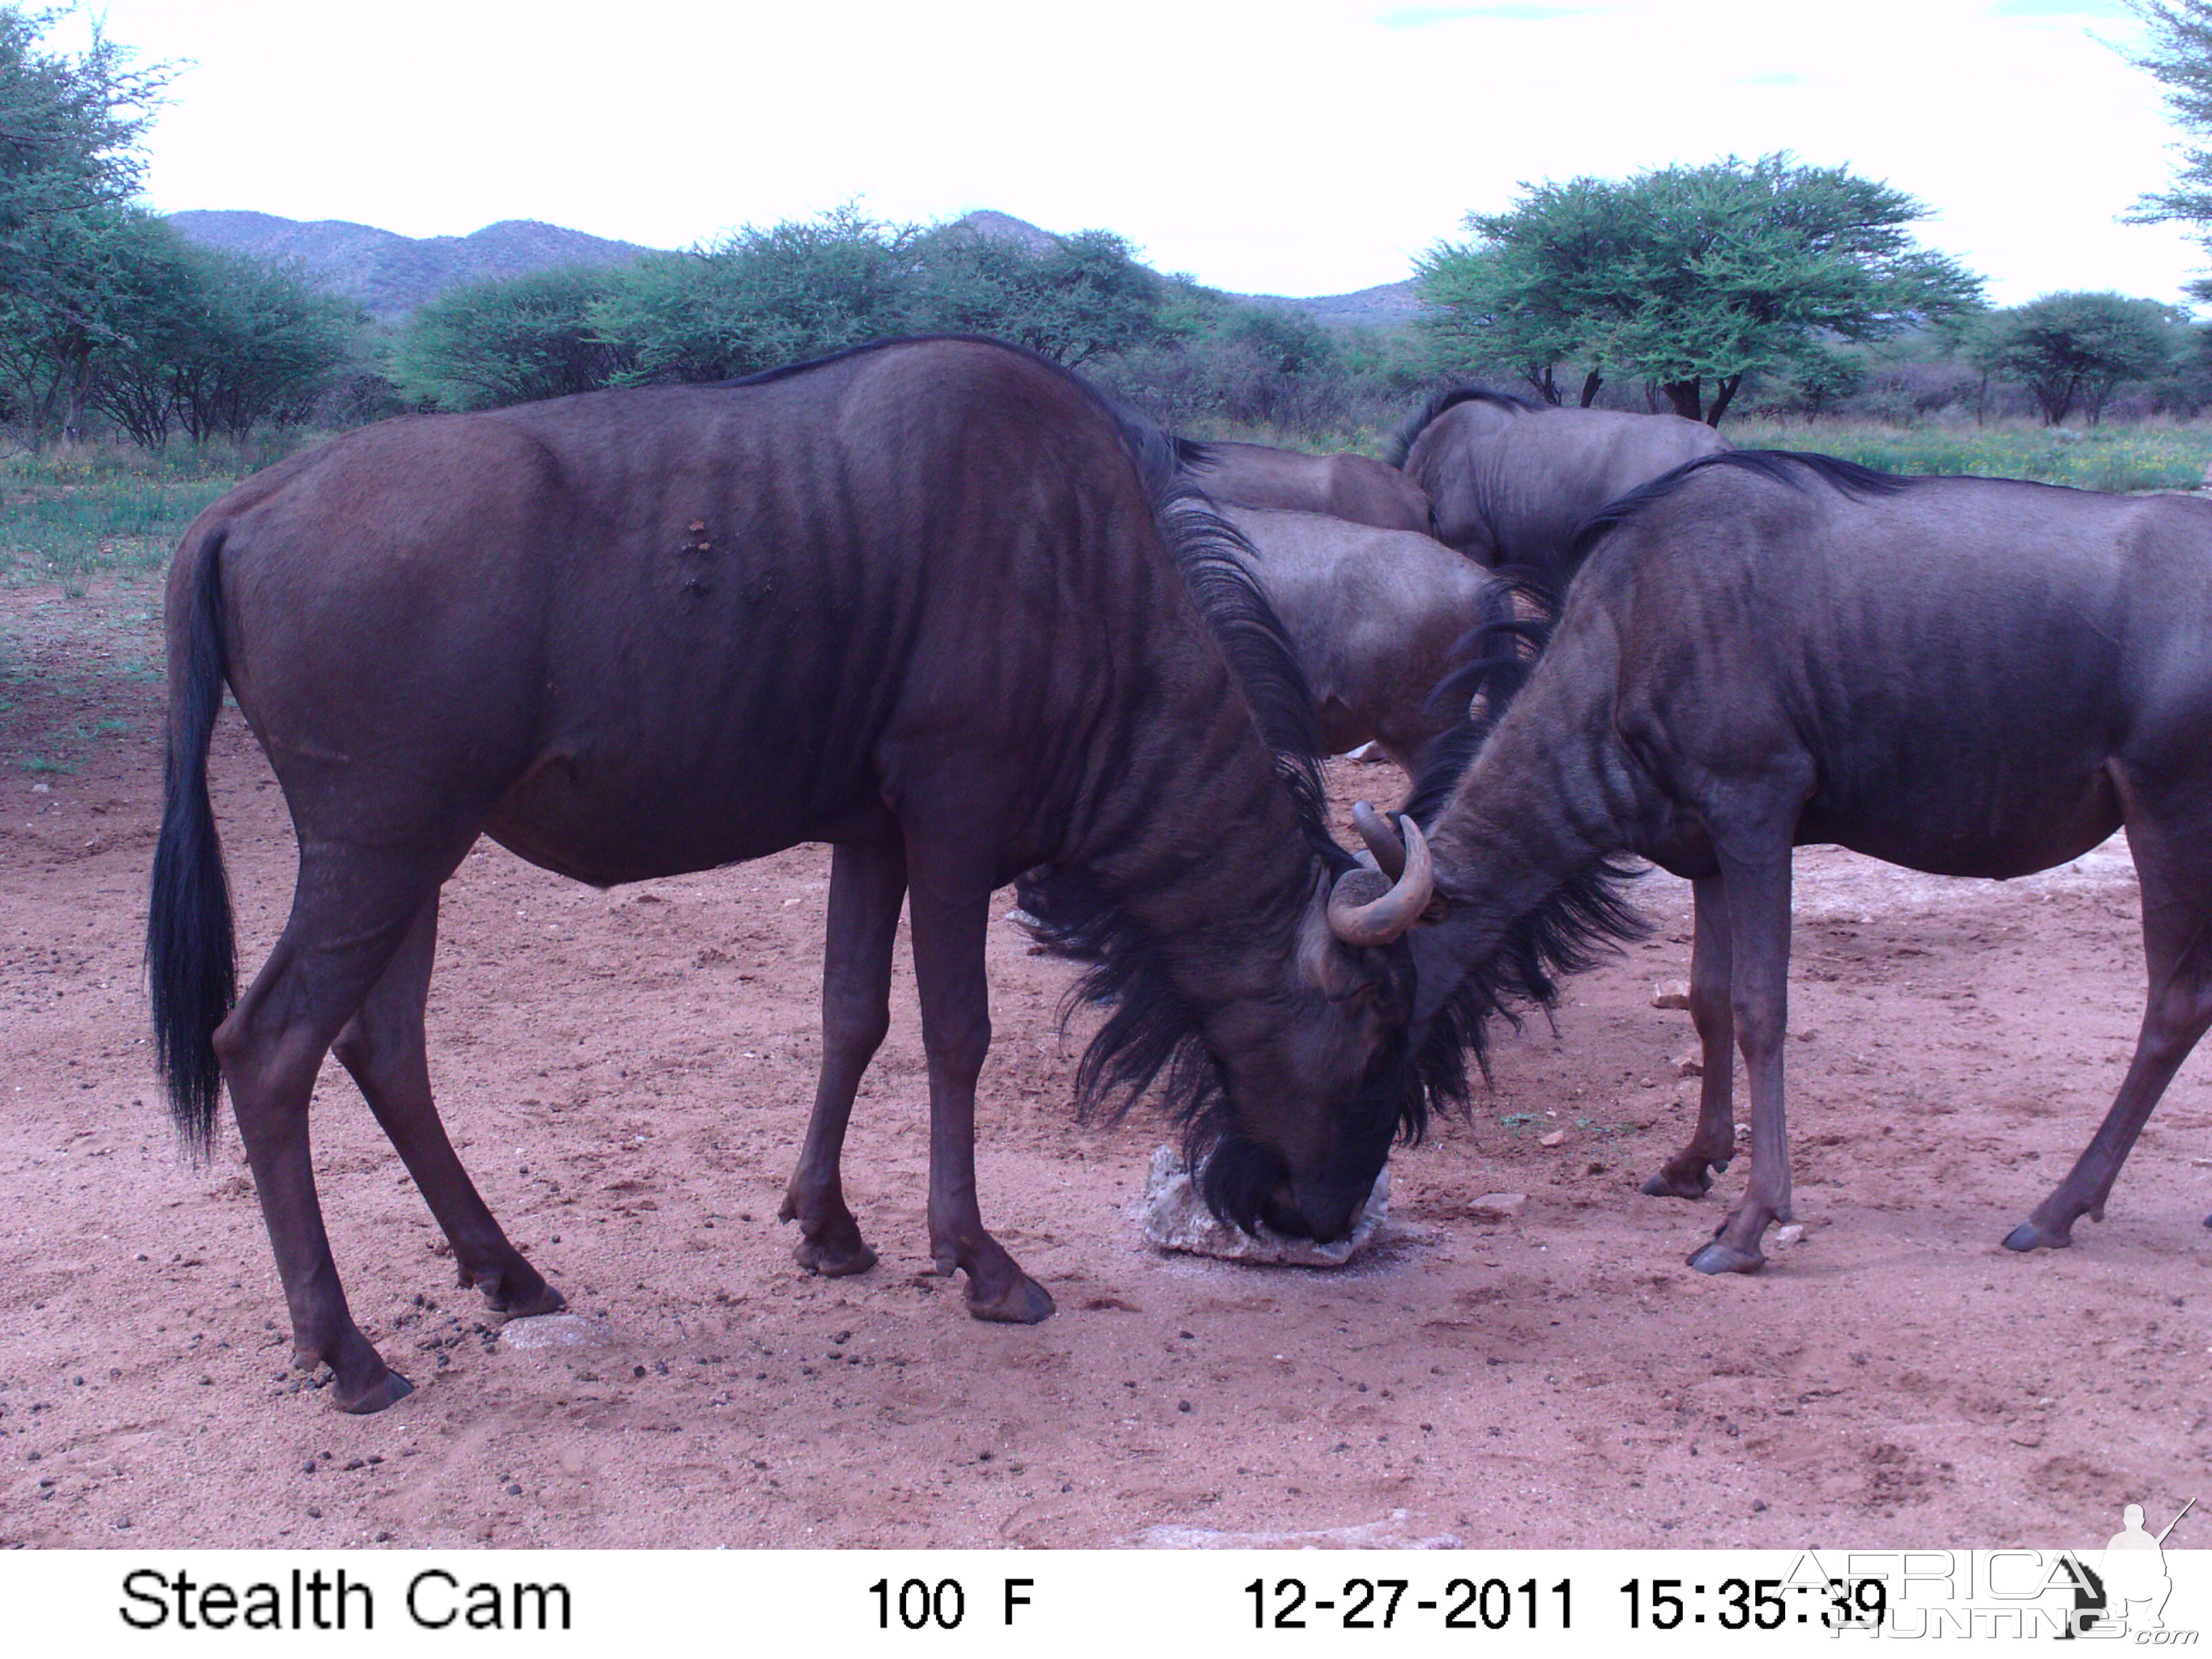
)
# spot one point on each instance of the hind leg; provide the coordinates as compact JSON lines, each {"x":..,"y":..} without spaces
{"x":867,"y":885}
{"x":1686,"y":1175}
{"x":350,"y":917}
{"x":383,"y":1046}
{"x":2173,"y":862}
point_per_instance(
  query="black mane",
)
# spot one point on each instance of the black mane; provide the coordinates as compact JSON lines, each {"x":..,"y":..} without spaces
{"x":1152,"y":1042}
{"x":1450,"y":398}
{"x":1573,"y":929}
{"x":1788,"y":467}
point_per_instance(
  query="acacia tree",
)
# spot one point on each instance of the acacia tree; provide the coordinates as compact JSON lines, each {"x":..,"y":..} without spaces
{"x":1526,"y":292}
{"x":1690,"y":277}
{"x":759,"y":297}
{"x":2179,"y":54}
{"x":1077,"y":298}
{"x":2075,"y":348}
{"x":69,"y":171}
{"x":510,"y":341}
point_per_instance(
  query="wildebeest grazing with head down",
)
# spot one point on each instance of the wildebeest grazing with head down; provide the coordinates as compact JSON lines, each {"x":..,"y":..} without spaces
{"x":931,"y":601}
{"x":1352,"y":487}
{"x":1511,"y":480}
{"x":1377,"y":619}
{"x":1968,"y":676}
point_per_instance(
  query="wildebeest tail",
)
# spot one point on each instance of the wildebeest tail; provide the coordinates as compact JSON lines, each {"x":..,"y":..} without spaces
{"x":191,"y":965}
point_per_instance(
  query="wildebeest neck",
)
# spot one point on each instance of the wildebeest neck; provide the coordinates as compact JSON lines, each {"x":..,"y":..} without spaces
{"x":1527,"y":849}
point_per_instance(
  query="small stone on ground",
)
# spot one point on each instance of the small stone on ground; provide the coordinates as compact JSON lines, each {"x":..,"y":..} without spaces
{"x":1671,"y":994}
{"x":1497,"y":1206}
{"x":560,"y":1330}
{"x":1174,"y":1217}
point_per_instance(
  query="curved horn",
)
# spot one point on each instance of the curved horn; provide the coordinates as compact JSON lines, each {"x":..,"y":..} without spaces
{"x":1379,"y":920}
{"x":1381,"y":839}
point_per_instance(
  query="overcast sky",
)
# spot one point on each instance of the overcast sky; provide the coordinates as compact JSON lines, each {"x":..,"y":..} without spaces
{"x":1284,"y":146}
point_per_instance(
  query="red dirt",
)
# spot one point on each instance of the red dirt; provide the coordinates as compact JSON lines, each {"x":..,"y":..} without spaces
{"x":628,"y":1075}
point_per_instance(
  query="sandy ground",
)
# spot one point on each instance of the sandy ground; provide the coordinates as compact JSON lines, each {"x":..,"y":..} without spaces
{"x":628,"y":1074}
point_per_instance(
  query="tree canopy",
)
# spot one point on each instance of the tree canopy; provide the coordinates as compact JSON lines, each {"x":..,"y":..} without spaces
{"x":2179,"y":54}
{"x":779,"y":294}
{"x":1690,"y":277}
{"x":510,"y":341}
{"x":102,"y":306}
{"x":2073,"y":349}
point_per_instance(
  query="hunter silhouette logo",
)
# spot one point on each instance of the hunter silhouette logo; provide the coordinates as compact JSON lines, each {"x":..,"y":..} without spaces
{"x":2127,"y":1591}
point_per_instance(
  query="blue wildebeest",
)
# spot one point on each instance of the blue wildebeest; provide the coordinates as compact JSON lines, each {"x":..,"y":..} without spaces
{"x":934,"y":602}
{"x":1352,"y":487}
{"x":1377,"y":619}
{"x":1968,"y":676}
{"x":1512,"y":480}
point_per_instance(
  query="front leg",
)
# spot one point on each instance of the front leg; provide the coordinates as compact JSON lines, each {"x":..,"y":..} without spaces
{"x":1758,"y":898}
{"x":867,"y":885}
{"x":1686,"y":1175}
{"x":950,"y":908}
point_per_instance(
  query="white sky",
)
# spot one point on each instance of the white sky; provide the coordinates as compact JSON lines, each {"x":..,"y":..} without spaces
{"x":1268,"y":146}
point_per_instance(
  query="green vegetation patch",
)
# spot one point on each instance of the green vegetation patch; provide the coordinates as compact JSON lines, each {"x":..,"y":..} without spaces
{"x":117,"y":524}
{"x":2120,"y":458}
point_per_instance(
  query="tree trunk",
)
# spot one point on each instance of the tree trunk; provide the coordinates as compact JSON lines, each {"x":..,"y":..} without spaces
{"x":73,"y":410}
{"x":1687,"y":397}
{"x":2056,"y":399}
{"x":1723,"y":395}
{"x":1591,"y":382}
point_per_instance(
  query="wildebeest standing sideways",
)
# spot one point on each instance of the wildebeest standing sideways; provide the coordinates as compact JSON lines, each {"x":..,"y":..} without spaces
{"x":1377,"y":619}
{"x":1964,"y":676}
{"x":1511,"y":480}
{"x":1353,"y":487}
{"x":913,"y":600}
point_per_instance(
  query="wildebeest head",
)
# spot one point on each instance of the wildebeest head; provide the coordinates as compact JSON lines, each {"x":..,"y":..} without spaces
{"x":1319,"y":1086}
{"x":1290,"y":1092}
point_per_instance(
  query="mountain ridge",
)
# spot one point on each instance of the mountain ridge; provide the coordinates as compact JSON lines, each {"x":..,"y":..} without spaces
{"x":392,"y":275}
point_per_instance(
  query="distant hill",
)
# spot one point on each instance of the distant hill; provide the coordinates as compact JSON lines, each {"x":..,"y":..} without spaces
{"x":391,"y":273}
{"x":1385,"y":305}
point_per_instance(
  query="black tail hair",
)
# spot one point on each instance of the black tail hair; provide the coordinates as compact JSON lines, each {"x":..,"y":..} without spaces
{"x":191,"y":954}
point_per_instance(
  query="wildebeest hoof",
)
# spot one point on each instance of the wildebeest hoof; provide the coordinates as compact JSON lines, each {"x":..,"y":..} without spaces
{"x":1720,"y":1257}
{"x":1668,"y":1183}
{"x":1024,"y":1302}
{"x":2035,"y":1235}
{"x":384,"y":1390}
{"x":834,"y":1258}
{"x":522,"y":1300}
